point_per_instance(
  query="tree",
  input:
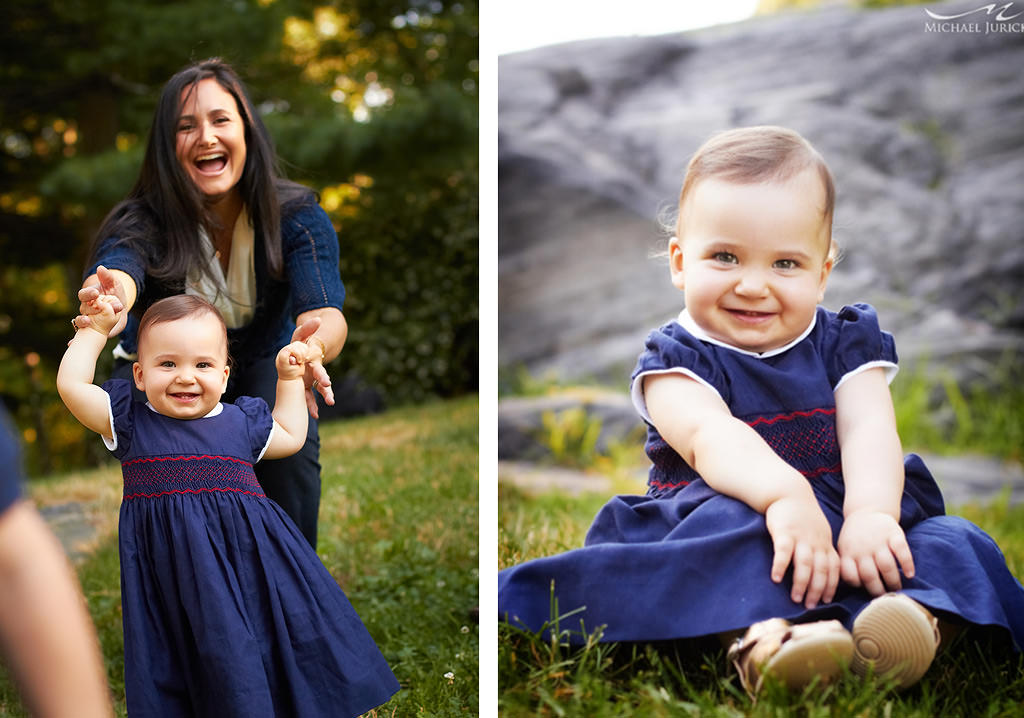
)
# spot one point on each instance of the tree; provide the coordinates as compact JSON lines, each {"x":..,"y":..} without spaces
{"x":373,"y":105}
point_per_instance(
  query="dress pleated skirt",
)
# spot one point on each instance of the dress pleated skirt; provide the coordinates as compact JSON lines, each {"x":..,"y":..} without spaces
{"x":697,"y":563}
{"x":229,"y":612}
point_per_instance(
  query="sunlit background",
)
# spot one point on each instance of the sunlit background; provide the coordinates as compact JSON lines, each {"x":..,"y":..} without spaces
{"x":527,"y":24}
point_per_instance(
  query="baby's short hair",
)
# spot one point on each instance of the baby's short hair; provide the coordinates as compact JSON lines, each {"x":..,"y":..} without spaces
{"x":176,"y":307}
{"x":751,"y":155}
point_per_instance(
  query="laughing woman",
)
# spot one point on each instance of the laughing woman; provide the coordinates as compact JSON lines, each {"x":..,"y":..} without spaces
{"x":210,"y":215}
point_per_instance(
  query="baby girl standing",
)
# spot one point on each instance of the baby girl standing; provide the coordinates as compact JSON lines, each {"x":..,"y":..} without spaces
{"x":778,"y":493}
{"x":227,"y":609}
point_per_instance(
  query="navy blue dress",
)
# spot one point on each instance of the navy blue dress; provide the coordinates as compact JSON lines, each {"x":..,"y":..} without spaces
{"x":227,"y":609}
{"x":685,"y":561}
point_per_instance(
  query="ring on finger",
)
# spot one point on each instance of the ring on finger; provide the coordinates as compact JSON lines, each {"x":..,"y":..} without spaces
{"x":74,"y":323}
{"x":315,"y":384}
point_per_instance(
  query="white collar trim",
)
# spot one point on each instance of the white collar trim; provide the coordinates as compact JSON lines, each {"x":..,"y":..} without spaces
{"x":687,"y":322}
{"x":213,"y":412}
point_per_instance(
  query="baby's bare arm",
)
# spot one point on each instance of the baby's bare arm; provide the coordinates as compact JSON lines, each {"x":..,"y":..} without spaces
{"x":86,"y":401}
{"x":872,"y":546}
{"x":291,"y":416}
{"x":734,"y":460}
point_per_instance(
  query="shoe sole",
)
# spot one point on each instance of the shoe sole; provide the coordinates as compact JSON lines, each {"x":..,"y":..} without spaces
{"x":896,"y":637}
{"x":798,"y":662}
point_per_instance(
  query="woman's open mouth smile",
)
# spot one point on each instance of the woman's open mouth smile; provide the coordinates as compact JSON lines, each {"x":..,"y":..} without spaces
{"x":212,"y":163}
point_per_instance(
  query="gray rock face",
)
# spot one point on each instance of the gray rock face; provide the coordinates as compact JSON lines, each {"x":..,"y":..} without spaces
{"x":924,"y":132}
{"x":976,"y":479}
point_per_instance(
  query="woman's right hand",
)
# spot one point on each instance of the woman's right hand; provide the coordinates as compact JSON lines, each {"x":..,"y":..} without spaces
{"x":102,"y":283}
{"x":319,"y":381}
{"x":802,"y":537}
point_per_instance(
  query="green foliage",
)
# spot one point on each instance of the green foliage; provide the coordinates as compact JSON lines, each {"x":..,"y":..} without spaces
{"x":571,"y":436}
{"x":100,"y":180}
{"x":937,"y":414}
{"x":409,"y":569}
{"x":409,"y":234}
{"x":374,"y":105}
{"x":412,"y":289}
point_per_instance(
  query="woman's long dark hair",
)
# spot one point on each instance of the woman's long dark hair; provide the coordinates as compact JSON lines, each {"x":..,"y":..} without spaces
{"x":163,"y":211}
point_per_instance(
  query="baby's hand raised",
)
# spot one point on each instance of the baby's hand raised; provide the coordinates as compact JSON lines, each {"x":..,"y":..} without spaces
{"x":870,"y":544}
{"x":104,"y":312}
{"x":291,"y":360}
{"x":802,"y":537}
{"x":106,"y":285}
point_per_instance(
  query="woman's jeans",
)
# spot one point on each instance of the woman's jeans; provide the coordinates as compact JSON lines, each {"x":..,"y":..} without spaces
{"x":294,"y":481}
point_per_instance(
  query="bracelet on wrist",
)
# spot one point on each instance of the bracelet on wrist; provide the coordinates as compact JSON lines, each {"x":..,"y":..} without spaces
{"x":323,"y":347}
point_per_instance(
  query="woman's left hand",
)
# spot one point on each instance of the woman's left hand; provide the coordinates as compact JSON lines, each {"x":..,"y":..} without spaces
{"x":317,"y":380}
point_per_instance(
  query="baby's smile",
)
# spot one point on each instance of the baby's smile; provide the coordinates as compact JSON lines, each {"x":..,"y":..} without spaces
{"x":750,"y":313}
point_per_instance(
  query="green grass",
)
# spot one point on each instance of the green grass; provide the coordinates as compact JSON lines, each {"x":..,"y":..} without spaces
{"x":398,"y":529}
{"x":978,"y":676}
{"x":935,"y":414}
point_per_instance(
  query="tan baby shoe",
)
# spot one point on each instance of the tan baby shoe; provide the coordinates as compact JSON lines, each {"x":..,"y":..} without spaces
{"x":793,"y":654}
{"x":896,"y":637}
